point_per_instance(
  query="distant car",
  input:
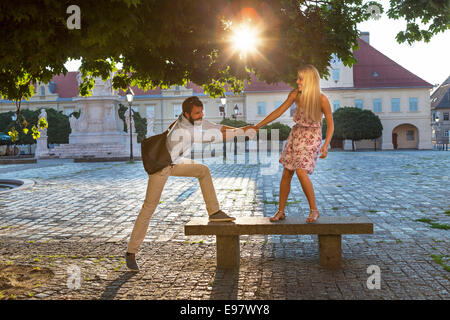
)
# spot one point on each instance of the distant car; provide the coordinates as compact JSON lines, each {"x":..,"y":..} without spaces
{"x":5,"y":138}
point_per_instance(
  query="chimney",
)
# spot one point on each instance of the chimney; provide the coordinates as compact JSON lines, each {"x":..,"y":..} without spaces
{"x":365,"y":36}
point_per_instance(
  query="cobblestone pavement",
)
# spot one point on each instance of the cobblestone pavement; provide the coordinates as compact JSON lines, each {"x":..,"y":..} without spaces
{"x":81,"y":214}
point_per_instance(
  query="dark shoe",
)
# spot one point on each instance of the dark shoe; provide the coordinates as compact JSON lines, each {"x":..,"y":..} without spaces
{"x":220,"y":216}
{"x":131,"y":262}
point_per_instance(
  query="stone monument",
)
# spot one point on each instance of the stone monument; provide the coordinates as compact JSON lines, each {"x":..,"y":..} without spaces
{"x":41,"y":142}
{"x":99,"y":131}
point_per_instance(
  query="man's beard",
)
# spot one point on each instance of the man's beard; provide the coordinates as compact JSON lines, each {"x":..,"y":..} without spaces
{"x":193,"y":121}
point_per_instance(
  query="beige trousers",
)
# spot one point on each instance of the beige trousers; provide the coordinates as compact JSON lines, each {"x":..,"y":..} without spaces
{"x":156,"y":182}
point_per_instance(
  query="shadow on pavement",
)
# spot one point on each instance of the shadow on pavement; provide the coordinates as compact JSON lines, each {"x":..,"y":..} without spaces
{"x":112,"y":289}
{"x":225,"y":286}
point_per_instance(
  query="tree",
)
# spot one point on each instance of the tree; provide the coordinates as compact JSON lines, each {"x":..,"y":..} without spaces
{"x":164,"y":43}
{"x":355,"y":124}
{"x":436,"y":13}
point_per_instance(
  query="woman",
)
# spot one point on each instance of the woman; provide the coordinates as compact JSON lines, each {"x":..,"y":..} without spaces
{"x":304,"y":142}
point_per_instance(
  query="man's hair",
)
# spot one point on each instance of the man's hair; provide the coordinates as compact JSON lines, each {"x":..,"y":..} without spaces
{"x":190,"y":102}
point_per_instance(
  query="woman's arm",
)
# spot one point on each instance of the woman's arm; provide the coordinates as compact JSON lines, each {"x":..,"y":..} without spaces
{"x":326,"y":110}
{"x":280,"y":110}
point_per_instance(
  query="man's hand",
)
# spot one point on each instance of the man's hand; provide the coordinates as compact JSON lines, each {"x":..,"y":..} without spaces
{"x":324,"y":151}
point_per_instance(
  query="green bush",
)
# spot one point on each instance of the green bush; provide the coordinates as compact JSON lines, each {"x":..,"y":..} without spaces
{"x":283,"y":133}
{"x":58,"y":125}
{"x":234,"y":123}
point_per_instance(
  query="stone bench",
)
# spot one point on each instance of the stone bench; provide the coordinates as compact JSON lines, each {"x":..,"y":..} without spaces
{"x":328,"y":229}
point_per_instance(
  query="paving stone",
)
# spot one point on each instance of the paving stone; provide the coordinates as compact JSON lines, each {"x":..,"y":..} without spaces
{"x":87,"y":210}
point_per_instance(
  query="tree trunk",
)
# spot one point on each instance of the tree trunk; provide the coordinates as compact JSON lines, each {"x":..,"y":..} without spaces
{"x":353,"y":145}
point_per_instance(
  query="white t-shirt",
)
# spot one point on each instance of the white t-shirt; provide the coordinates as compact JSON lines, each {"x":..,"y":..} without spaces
{"x":184,"y":134}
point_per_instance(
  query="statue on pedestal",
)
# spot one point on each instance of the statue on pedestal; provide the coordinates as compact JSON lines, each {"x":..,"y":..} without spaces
{"x":43,"y":115}
{"x":150,"y":120}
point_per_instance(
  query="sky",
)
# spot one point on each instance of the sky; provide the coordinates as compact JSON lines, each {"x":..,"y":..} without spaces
{"x":430,"y":61}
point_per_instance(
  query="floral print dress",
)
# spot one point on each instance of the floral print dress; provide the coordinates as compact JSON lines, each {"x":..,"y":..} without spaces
{"x":303,"y":144}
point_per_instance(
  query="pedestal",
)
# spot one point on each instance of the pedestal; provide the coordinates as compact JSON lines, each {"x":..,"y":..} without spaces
{"x":227,"y":251}
{"x":41,"y":147}
{"x":330,"y":251}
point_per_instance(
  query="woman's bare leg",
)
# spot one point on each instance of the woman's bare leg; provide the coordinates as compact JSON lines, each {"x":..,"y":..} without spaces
{"x":308,"y":189}
{"x":285,"y":189}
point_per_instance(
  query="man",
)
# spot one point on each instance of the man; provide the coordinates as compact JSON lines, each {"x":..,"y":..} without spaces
{"x":179,"y":142}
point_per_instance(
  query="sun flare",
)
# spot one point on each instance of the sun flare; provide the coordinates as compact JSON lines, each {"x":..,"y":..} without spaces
{"x":245,"y":39}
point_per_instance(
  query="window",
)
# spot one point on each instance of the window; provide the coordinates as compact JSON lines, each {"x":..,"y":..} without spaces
{"x":413,"y":104}
{"x":377,"y":107}
{"x":42,"y":91}
{"x":292,"y":109}
{"x":150,"y":110}
{"x":395,"y":104}
{"x":446,"y":133}
{"x":359,"y":104}
{"x":177,"y":110}
{"x":410,"y":135}
{"x":335,"y":75}
{"x":135,"y":109}
{"x":261,"y":108}
{"x":336,"y":105}
{"x":335,"y":59}
{"x":445,"y":116}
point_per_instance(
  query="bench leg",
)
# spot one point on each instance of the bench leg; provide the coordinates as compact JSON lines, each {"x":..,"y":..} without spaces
{"x":228,"y":251}
{"x":330,"y":251}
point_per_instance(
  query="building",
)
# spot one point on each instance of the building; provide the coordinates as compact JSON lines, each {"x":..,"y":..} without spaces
{"x":440,"y":110}
{"x":400,"y":98}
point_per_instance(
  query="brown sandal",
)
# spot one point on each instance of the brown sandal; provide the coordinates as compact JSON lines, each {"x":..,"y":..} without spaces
{"x":312,"y":213}
{"x":278,"y":216}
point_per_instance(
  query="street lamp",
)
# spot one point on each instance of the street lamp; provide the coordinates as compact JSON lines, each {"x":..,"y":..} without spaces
{"x":223,"y":101}
{"x":235,"y":111}
{"x":130,"y":96}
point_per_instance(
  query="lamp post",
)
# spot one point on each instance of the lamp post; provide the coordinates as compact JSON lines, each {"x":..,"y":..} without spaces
{"x":130,"y":96}
{"x":223,"y":101}
{"x":235,"y":112}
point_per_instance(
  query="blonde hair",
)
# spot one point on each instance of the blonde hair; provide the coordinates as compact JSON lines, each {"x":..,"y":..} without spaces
{"x":309,"y":99}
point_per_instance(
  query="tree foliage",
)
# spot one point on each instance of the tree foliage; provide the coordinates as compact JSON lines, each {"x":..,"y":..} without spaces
{"x":354,"y":124}
{"x":164,"y":43}
{"x":434,"y":13}
{"x":58,"y":125}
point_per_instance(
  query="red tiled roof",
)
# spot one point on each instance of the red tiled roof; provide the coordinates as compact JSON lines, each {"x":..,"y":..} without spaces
{"x":66,"y":86}
{"x":390,"y":73}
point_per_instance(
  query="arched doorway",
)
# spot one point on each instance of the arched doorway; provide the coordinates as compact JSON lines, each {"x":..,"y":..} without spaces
{"x":405,"y":136}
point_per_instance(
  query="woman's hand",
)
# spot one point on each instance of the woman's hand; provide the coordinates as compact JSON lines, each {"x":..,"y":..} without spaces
{"x":324,"y":151}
